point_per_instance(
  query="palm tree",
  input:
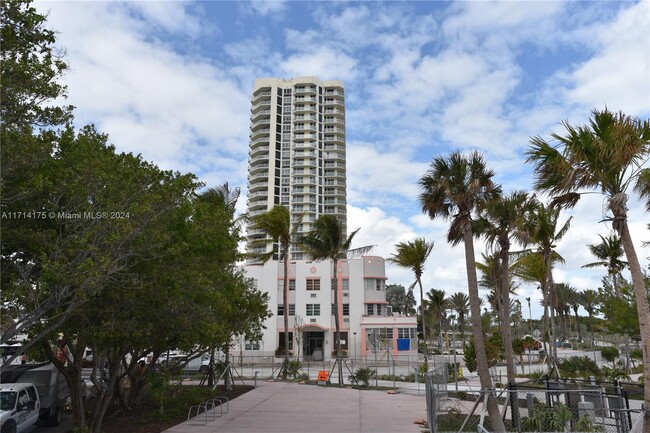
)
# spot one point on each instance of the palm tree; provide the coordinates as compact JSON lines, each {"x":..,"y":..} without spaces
{"x":541,"y":230}
{"x":609,"y":252}
{"x":564,"y":297}
{"x":459,"y":301}
{"x":436,"y":305}
{"x":413,"y":255}
{"x":276,"y":225}
{"x":589,"y":300}
{"x":327,"y":241}
{"x":609,"y":154}
{"x":501,"y":221}
{"x":451,"y":190}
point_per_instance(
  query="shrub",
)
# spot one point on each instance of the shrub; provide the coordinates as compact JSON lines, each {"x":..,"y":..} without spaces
{"x":293,"y":368}
{"x":363,"y":375}
{"x":610,"y":353}
{"x":579,"y":367}
{"x":615,"y":373}
{"x":636,"y":354}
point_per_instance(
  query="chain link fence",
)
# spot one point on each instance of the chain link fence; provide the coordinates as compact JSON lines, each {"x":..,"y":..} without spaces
{"x":550,"y":406}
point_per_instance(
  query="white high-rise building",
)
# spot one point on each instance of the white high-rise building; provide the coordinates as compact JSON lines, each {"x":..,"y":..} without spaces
{"x":297,"y":152}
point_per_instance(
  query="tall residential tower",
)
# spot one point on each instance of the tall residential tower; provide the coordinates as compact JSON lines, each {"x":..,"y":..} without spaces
{"x":297,"y":152}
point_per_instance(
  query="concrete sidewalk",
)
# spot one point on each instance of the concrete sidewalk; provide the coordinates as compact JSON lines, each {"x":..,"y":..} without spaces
{"x":277,"y":407}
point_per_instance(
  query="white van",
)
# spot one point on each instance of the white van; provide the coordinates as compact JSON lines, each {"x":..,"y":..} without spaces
{"x":19,"y":407}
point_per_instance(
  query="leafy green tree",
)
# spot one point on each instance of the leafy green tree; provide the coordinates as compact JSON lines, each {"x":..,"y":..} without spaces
{"x":619,"y":309}
{"x":400,"y":299}
{"x":413,"y":255}
{"x":276,"y":224}
{"x":452,"y":189}
{"x":30,"y":70}
{"x":327,"y":241}
{"x":494,"y":352}
{"x":609,"y":154}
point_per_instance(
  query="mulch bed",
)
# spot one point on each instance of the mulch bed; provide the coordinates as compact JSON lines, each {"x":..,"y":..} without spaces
{"x":146,"y":419}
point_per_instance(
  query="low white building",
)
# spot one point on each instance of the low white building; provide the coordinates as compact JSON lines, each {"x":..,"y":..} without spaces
{"x":366,"y":321}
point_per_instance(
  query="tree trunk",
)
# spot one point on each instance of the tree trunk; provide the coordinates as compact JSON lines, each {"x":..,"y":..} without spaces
{"x":285,"y":296}
{"x":72,"y":375}
{"x":477,"y":329}
{"x":336,"y":321}
{"x":643,"y":310}
{"x":211,"y":368}
{"x":226,"y":375}
{"x":424,"y":323}
{"x":505,"y":325}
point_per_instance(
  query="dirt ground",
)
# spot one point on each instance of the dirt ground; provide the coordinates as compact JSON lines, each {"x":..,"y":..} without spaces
{"x":145,"y":420}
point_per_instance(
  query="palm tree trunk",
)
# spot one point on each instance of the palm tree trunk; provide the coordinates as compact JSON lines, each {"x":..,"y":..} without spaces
{"x":643,"y":310}
{"x":285,"y":295}
{"x":553,"y":301}
{"x":505,"y":317}
{"x":424,"y":324}
{"x":336,"y":321}
{"x":477,"y":329}
{"x":505,"y":327}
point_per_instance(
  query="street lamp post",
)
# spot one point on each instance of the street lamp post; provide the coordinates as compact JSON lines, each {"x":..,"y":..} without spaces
{"x":530,"y":317}
{"x":453,"y":343}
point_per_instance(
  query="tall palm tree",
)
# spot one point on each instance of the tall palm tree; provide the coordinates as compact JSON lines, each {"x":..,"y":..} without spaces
{"x":563,"y":299}
{"x":501,"y":220}
{"x":459,"y":301}
{"x":589,"y":300}
{"x":413,"y":255}
{"x":436,"y":304}
{"x":328,"y":241}
{"x":609,"y":252}
{"x":276,"y":225}
{"x":451,"y":189}
{"x":541,"y":229}
{"x":610,"y":155}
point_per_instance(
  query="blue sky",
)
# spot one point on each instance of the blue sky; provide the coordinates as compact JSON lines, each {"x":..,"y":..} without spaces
{"x":172,"y":81}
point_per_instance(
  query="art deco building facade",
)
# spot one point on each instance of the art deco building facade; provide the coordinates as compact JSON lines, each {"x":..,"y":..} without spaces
{"x":297,"y":152}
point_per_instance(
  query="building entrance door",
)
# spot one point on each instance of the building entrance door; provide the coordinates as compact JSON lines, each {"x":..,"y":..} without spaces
{"x":313,"y":347}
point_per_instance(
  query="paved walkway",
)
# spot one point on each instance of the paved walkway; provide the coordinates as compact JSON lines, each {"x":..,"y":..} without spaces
{"x":278,"y":407}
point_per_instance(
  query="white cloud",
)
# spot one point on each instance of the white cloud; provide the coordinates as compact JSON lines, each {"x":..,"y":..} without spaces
{"x":268,"y":7}
{"x":617,"y":76}
{"x":150,"y":99}
{"x":323,"y":61}
{"x":381,"y":178}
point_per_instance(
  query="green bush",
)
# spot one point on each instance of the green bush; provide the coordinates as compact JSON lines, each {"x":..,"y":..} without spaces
{"x":293,"y":368}
{"x":547,"y":419}
{"x":610,"y":353}
{"x":363,"y":375}
{"x":636,"y":354}
{"x":579,"y":367}
{"x":615,"y":373}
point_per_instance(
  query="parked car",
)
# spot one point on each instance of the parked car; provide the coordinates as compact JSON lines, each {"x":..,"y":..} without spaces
{"x":19,"y":407}
{"x":51,"y":391}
